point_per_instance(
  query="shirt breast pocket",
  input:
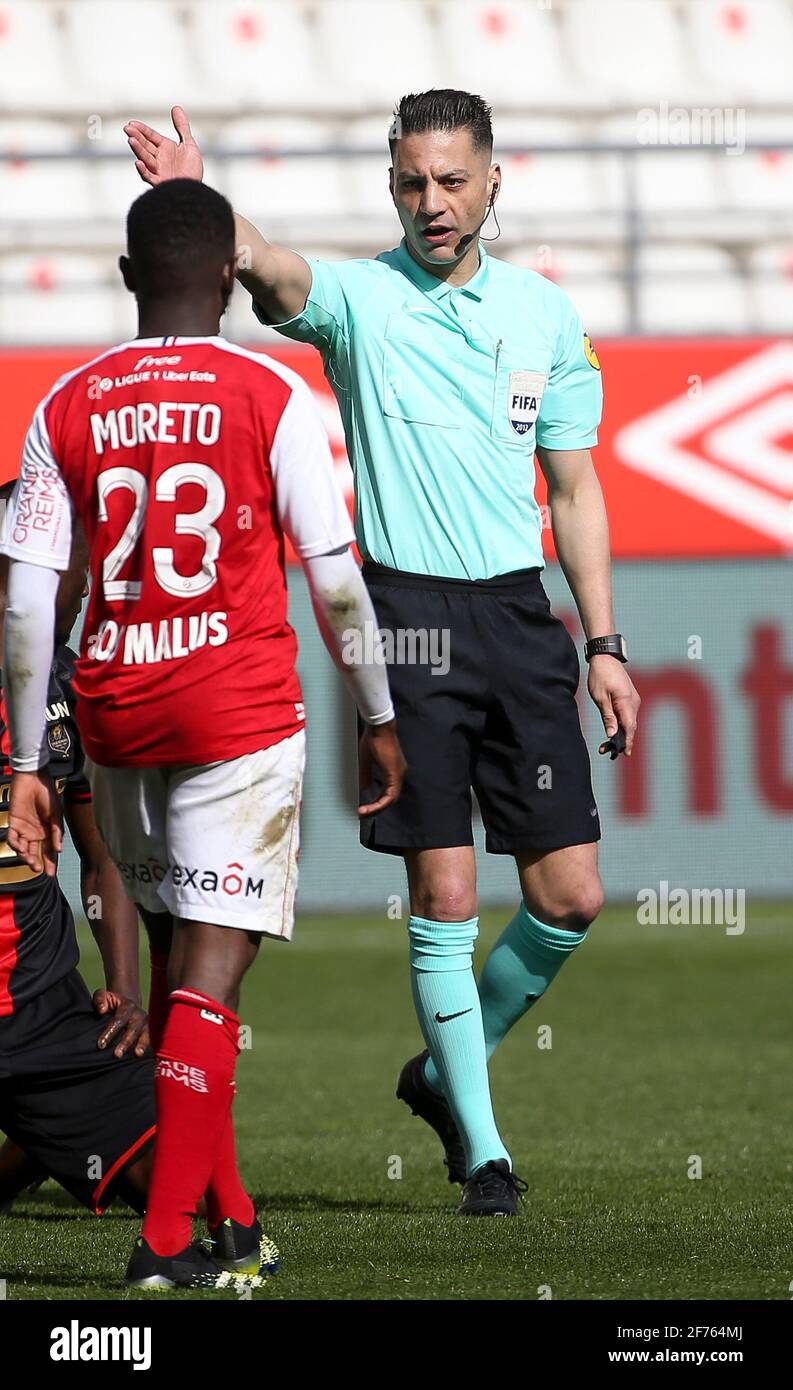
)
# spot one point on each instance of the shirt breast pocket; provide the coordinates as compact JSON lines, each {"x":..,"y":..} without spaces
{"x":421,"y":374}
{"x":517,"y":397}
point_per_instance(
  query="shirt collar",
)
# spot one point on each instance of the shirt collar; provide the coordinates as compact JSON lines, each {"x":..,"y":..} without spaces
{"x":438,"y":289}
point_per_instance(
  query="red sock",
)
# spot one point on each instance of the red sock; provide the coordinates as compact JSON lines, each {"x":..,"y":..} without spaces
{"x":193,"y":1089}
{"x":158,"y":996}
{"x":225,"y":1194}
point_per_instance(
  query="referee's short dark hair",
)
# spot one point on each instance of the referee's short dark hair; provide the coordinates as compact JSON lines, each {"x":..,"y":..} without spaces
{"x":443,"y":108}
{"x":176,"y":233}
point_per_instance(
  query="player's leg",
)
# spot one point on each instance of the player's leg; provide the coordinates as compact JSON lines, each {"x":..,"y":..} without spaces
{"x":131,"y":808}
{"x":159,"y":930}
{"x":443,"y":929}
{"x":225,"y":1203}
{"x":130,"y":811}
{"x":18,"y":1173}
{"x":533,"y":783}
{"x":80,"y":1114}
{"x":195,"y":1079}
{"x":238,"y":821}
{"x":441,"y":712}
{"x":561,"y":896}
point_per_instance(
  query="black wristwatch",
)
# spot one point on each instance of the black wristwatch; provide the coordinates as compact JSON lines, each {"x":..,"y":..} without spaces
{"x":613,"y":645}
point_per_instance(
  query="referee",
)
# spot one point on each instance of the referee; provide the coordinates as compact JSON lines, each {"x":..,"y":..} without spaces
{"x":452,"y":370}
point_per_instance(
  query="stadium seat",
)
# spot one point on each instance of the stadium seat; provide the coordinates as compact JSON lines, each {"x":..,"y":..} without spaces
{"x":667,"y":180}
{"x":366,"y":175}
{"x":628,"y":53}
{"x":690,"y":289}
{"x":744,"y":48}
{"x":128,"y":56}
{"x":506,"y":50}
{"x":547,"y":181}
{"x":590,"y":276}
{"x":254,"y":55}
{"x":540,"y":182}
{"x":38,"y":190}
{"x":63,"y":298}
{"x":762,"y":180}
{"x":771,"y":270}
{"x":375,"y":52}
{"x":678,"y":182}
{"x":271,"y":187}
{"x":33,"y":73}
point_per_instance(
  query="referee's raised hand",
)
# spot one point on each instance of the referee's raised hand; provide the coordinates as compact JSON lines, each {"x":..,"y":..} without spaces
{"x":616,"y":697}
{"x":158,"y":158}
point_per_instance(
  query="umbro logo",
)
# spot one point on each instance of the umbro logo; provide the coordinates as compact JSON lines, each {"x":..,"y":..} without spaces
{"x":446,"y":1018}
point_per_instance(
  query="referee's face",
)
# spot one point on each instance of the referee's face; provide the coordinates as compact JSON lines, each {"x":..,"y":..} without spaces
{"x":441,"y":186}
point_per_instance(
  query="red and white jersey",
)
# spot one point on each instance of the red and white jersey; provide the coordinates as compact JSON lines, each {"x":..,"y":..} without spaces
{"x":186,"y":459}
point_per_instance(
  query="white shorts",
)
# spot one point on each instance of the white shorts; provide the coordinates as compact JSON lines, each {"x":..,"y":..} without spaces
{"x":215,"y":844}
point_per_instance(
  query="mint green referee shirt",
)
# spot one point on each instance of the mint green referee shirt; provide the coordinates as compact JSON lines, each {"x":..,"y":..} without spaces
{"x":444,"y":393}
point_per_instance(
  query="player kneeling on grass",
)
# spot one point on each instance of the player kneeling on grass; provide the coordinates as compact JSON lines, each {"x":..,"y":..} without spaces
{"x":187,"y":460}
{"x":76,"y":1090}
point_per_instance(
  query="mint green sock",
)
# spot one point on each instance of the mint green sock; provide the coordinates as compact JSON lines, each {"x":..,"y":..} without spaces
{"x":520,"y":967}
{"x":450,"y":1015}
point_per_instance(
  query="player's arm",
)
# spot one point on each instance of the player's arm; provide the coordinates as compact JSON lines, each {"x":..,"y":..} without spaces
{"x":35,"y":828}
{"x":581,"y":535}
{"x":278,"y":279}
{"x":314,"y":516}
{"x":37,"y":538}
{"x":348,"y":624}
{"x":113,"y":920}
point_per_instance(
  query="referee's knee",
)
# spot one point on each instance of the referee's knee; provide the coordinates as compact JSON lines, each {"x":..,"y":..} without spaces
{"x":445,"y":902}
{"x":573,"y":907}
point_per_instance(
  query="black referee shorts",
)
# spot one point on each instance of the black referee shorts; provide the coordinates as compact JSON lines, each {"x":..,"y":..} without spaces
{"x":484,"y":680}
{"x":81,"y":1114}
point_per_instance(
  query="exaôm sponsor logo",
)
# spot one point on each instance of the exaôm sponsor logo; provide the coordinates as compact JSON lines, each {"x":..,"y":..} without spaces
{"x":150,"y":872}
{"x":234,"y":881}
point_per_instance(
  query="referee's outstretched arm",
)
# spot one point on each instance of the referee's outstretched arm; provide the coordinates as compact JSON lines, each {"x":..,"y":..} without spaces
{"x":581,"y":536}
{"x":277,"y":279}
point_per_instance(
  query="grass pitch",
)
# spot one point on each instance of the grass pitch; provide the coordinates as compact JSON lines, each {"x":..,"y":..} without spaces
{"x":668,"y":1044}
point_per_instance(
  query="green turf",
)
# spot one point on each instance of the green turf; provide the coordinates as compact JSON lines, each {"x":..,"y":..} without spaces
{"x":668,"y":1042}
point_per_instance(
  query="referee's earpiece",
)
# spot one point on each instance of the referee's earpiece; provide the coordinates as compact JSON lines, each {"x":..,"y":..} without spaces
{"x":491,"y":207}
{"x":469,"y":237}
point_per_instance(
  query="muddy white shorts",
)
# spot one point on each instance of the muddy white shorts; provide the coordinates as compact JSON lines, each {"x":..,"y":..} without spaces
{"x":216,"y":844}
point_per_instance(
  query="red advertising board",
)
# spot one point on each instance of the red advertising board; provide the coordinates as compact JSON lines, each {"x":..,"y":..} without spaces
{"x":695,"y":453}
